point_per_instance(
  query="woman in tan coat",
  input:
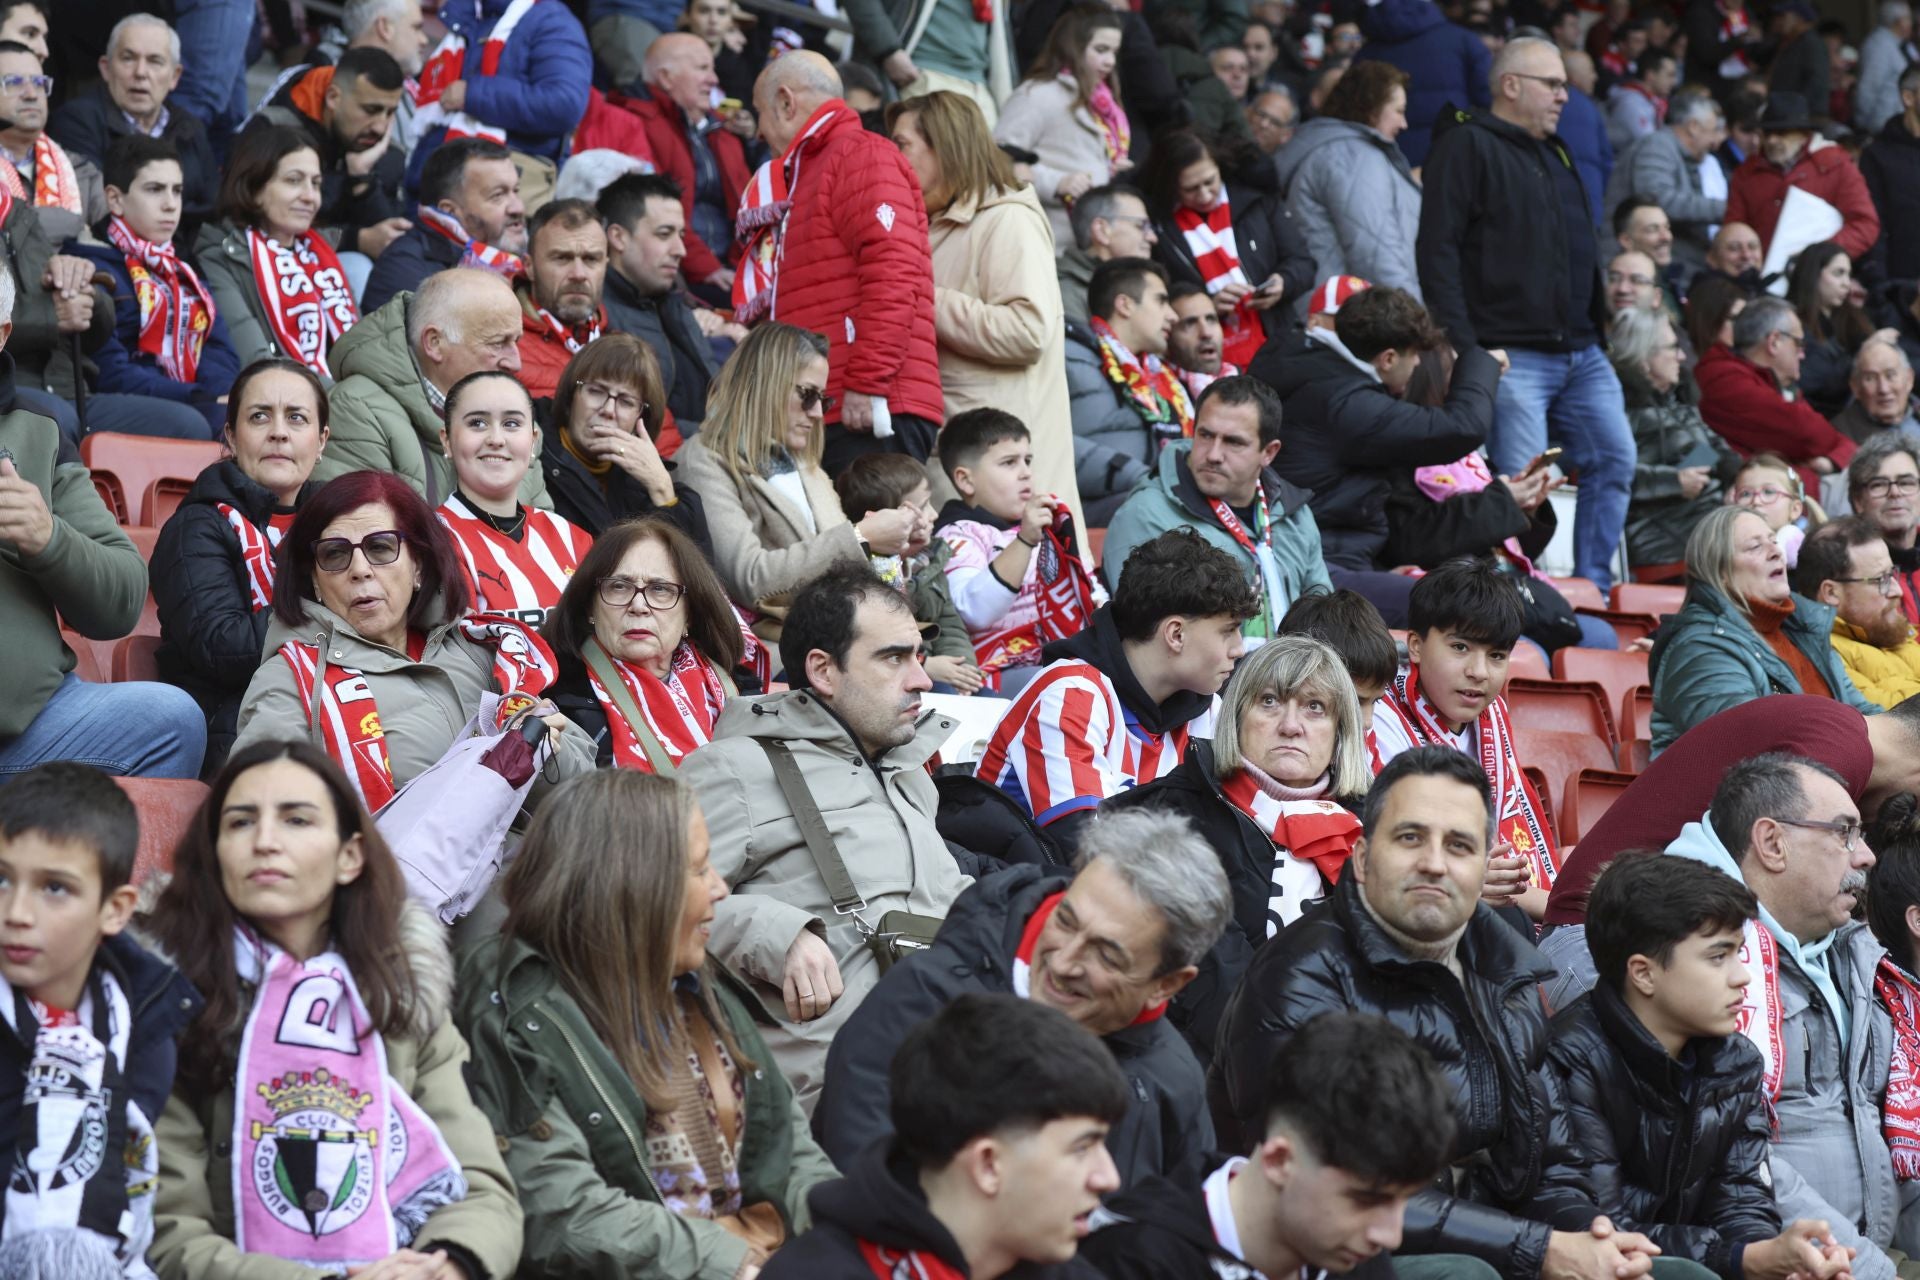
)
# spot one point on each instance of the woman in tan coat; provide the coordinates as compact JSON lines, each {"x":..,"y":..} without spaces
{"x":996,"y":297}
{"x":775,"y":521}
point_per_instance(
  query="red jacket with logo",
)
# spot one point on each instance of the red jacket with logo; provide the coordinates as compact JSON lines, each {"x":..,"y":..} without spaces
{"x":855,"y":265}
{"x":666,"y":127}
{"x":1759,"y":187}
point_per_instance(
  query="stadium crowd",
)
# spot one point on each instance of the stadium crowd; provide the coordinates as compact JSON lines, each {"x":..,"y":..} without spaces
{"x":931,"y":640}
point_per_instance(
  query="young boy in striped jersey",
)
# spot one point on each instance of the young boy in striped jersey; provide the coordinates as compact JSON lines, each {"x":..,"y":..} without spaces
{"x":1117,"y":703}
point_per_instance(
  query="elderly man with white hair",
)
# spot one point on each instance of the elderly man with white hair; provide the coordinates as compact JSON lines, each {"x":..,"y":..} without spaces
{"x":140,"y":69}
{"x":1882,"y":383}
{"x":1664,"y":166}
{"x":1884,"y":54}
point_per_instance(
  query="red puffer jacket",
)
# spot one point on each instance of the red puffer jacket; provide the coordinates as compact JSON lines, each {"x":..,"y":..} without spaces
{"x":1759,"y":188}
{"x":1742,"y":402}
{"x":666,"y":127}
{"x":855,"y":266}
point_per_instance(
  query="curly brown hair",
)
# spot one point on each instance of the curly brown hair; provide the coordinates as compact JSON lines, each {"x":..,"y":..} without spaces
{"x":1363,"y":92}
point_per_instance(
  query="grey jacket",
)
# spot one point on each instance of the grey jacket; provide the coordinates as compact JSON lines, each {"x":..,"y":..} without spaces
{"x":1853,"y":423}
{"x":880,"y":815}
{"x":1354,"y":197}
{"x":1829,"y":1158}
{"x":227,"y":267}
{"x":1075,"y":268}
{"x":1876,"y":94}
{"x":1112,"y":444}
{"x":1658,"y":166}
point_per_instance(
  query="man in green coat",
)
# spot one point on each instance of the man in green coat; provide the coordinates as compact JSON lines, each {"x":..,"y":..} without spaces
{"x":63,"y":557}
{"x":395,"y":368}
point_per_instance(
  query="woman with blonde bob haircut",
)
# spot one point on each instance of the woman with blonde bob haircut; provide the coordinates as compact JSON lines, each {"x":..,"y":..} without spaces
{"x":997,"y":315}
{"x":597,"y":1002}
{"x":775,"y":521}
{"x":1270,"y":795}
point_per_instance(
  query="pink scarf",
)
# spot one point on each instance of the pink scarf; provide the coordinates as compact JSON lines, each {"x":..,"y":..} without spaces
{"x":1115,"y":132}
{"x":333,"y":1164}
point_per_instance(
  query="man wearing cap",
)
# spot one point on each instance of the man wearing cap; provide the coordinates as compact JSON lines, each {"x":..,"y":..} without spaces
{"x":1791,"y":156}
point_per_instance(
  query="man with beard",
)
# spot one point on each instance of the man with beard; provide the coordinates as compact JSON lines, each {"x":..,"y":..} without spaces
{"x":1883,"y":484}
{"x":560,"y":298}
{"x":470,"y":215}
{"x":1882,"y":385}
{"x":1846,"y":566}
{"x":347,"y":112}
{"x":1193,"y":344}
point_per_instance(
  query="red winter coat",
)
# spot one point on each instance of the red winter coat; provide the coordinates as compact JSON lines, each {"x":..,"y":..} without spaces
{"x":1759,"y":188}
{"x":1742,"y":402}
{"x":855,"y":265}
{"x":607,"y":127}
{"x":666,"y":127}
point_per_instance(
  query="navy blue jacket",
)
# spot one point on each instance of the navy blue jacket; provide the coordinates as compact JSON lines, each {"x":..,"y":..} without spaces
{"x":88,"y":124}
{"x":418,"y":253}
{"x":124,"y":368}
{"x":1448,"y":63}
{"x":1583,"y":127}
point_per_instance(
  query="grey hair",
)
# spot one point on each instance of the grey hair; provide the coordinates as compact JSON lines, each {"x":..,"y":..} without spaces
{"x":1689,"y":105}
{"x":55,"y":1254}
{"x":1169,"y":867}
{"x":1760,"y":320}
{"x":1286,"y":666}
{"x":1511,"y":53}
{"x":1873,"y":455}
{"x":1770,"y":785}
{"x":360,"y":15}
{"x":132,"y":20}
{"x":442,"y":300}
{"x":1635,"y":336}
{"x":1710,"y":553}
{"x":1098,"y":203}
{"x":801,"y":72}
{"x":1880,"y":340}
{"x":1893,"y":11}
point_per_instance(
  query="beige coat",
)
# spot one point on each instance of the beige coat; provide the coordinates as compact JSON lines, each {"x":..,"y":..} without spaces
{"x":1041,"y":117}
{"x":762,"y":547}
{"x":997,"y":317}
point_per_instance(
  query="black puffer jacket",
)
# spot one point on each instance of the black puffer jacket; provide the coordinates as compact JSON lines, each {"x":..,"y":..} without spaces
{"x":210,"y":633}
{"x":1489,"y":1037}
{"x":1346,"y":435}
{"x":1246,"y":854}
{"x":1678,"y":1154}
{"x":1166,"y":1131}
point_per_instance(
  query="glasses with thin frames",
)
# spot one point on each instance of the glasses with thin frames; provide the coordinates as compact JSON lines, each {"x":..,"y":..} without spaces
{"x":12,"y":85}
{"x":1887,"y":584}
{"x":1555,"y":85}
{"x":618,"y":593}
{"x":1881,"y":486}
{"x":1848,"y":831}
{"x":597,"y":396}
{"x":333,"y":555}
{"x":1765,"y":496}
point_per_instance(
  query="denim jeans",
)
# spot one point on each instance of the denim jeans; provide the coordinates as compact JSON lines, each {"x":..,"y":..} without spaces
{"x":137,"y":729}
{"x":215,"y":39}
{"x":1574,"y":400}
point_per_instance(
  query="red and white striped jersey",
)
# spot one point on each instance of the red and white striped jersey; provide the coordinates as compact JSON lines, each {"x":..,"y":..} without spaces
{"x":1068,"y":742}
{"x":521,"y":579}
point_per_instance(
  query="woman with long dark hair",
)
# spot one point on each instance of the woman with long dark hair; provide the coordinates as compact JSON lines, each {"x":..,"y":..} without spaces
{"x":320,"y":1118}
{"x":1820,"y":287}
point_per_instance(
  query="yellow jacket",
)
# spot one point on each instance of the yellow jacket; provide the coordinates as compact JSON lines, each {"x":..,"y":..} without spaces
{"x":1885,"y":676}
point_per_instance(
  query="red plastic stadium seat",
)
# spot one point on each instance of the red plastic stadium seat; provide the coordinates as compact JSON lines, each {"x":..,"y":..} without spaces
{"x":1527,"y":664}
{"x":1096,"y":543}
{"x":163,"y":498}
{"x":138,"y":461}
{"x":86,"y":658}
{"x":1615,"y":670}
{"x":1645,"y":597}
{"x":1590,"y":793}
{"x":166,"y":807}
{"x":1580,"y":592}
{"x":134,"y":658}
{"x":1567,"y":706}
{"x":112,"y":495}
{"x":1559,"y":757}
{"x":1673,"y":571}
{"x":1627,"y":627}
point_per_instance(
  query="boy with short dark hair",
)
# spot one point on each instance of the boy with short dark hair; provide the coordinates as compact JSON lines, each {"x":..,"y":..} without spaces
{"x":1349,"y":623}
{"x":87,"y":1047}
{"x":1015,"y":575}
{"x":1663,"y":1090}
{"x":1359,"y":1120}
{"x":998,"y":1157}
{"x":1465,"y":618}
{"x":169,"y":340}
{"x":883,"y":481}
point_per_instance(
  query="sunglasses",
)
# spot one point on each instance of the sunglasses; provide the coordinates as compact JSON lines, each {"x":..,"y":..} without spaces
{"x":333,"y":555}
{"x":812,"y":397}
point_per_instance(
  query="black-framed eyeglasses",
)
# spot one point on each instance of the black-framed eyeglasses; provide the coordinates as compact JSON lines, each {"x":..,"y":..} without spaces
{"x":618,"y":593}
{"x":1848,"y":831}
{"x":1881,"y":486}
{"x":812,"y":397}
{"x":1887,"y":583}
{"x":1554,"y":84}
{"x":333,"y":555}
{"x":596,"y":397}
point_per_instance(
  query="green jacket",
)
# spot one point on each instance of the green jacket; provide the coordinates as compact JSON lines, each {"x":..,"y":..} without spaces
{"x":43,"y":356}
{"x":1708,"y":658}
{"x":933,"y":606}
{"x":89,"y":573}
{"x":573,"y":1128}
{"x":382,"y":419}
{"x":1169,"y":499}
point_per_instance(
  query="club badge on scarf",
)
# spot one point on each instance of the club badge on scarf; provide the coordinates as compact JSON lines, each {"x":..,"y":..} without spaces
{"x":1901,"y":1114}
{"x":85,"y":1157}
{"x":1064,"y":598}
{"x":334,"y":1165}
{"x":176,"y":309}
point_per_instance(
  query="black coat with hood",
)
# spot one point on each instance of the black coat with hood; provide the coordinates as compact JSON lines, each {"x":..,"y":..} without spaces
{"x":210,"y":633}
{"x":880,"y":1201}
{"x":1162,"y":1230}
{"x":1347,"y":435}
{"x":1678,"y":1148}
{"x":1166,"y":1131}
{"x":1487,"y":1034}
{"x":1493,"y":243}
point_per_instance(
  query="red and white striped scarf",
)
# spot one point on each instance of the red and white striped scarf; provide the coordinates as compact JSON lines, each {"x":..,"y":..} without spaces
{"x":1901,"y":1113}
{"x":54,"y":184}
{"x":257,"y":546}
{"x":1760,"y":1010}
{"x":446,"y":64}
{"x":522,"y":579}
{"x":679,"y":710}
{"x":576,"y":336}
{"x":1216,"y":251}
{"x":340,"y":701}
{"x":1518,"y":808}
{"x":308,"y":301}
{"x":763,"y":206}
{"x":474,"y":253}
{"x":176,"y":308}
{"x":892,"y":1264}
{"x":1312,"y":838}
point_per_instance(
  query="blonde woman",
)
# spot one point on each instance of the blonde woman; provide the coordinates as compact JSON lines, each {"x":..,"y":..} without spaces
{"x":771,"y":510}
{"x":1067,"y":111}
{"x":647,"y":1130}
{"x":996,"y":297}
